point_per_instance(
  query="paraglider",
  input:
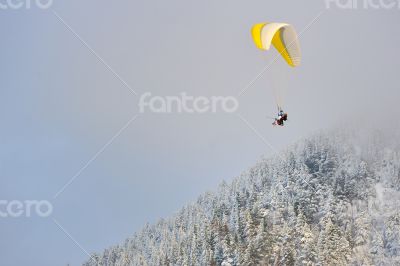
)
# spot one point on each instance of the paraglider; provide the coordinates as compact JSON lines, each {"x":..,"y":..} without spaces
{"x":282,"y":116}
{"x":285,"y":40}
{"x":282,"y":36}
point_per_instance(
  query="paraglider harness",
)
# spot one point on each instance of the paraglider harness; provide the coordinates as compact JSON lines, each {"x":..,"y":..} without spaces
{"x":282,"y":116}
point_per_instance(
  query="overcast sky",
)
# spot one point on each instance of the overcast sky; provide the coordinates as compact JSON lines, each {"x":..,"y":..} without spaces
{"x":69,"y":75}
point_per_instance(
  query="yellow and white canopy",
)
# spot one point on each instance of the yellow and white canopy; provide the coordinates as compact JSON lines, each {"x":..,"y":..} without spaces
{"x":282,"y":36}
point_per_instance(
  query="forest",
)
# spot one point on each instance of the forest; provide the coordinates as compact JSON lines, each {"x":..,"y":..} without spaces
{"x":330,"y":199}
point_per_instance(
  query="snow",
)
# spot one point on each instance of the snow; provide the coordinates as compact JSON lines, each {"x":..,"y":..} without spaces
{"x":379,"y":192}
{"x":324,"y":204}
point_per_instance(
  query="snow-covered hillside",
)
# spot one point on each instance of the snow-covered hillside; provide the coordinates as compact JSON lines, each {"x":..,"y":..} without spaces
{"x":331,"y":199}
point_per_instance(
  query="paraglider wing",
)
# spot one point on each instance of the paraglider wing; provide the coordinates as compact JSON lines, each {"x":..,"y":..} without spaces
{"x":282,"y":36}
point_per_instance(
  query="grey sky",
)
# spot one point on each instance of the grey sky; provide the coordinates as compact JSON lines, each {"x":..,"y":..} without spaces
{"x":59,"y":105}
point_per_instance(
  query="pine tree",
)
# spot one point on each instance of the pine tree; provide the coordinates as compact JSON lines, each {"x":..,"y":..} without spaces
{"x":333,"y":248}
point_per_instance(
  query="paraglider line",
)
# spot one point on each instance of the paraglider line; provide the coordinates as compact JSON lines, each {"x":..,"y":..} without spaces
{"x":278,"y":55}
